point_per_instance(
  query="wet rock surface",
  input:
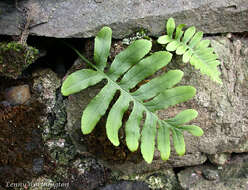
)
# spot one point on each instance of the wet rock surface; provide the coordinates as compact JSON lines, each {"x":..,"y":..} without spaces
{"x":76,"y":18}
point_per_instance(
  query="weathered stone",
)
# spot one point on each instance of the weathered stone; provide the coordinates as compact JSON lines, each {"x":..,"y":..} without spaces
{"x":126,"y":185}
{"x":210,"y":174}
{"x":17,"y":94}
{"x":219,"y":159}
{"x":38,"y":164}
{"x":46,"y":82}
{"x":222,"y":109}
{"x":162,"y":179}
{"x":232,"y":176}
{"x":87,"y":174}
{"x":130,"y":167}
{"x":76,"y":18}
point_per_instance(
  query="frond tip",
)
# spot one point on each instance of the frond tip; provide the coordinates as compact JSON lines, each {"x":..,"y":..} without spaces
{"x":194,"y":50}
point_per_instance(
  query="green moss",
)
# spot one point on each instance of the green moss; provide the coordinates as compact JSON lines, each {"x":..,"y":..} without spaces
{"x":15,"y":57}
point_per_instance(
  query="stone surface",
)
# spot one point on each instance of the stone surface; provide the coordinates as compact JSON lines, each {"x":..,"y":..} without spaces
{"x":46,"y":82}
{"x":77,"y":18}
{"x":222,"y":109}
{"x":17,"y":94}
{"x":210,"y":175}
{"x":219,"y":159}
{"x":126,"y":185}
{"x":38,"y":164}
{"x":222,"y":112}
{"x":162,"y":179}
{"x":69,"y":170}
{"x":232,"y":176}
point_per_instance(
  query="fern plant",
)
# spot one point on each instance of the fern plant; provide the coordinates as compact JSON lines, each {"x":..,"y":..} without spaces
{"x":128,"y":69}
{"x":192,"y":47}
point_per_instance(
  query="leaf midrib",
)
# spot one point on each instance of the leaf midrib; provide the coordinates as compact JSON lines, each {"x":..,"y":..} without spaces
{"x":118,"y":87}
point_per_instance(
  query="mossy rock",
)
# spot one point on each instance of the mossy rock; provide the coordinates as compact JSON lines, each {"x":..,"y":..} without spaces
{"x":15,"y":57}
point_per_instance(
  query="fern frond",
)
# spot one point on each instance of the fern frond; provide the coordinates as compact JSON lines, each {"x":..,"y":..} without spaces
{"x":196,"y":51}
{"x":128,"y":69}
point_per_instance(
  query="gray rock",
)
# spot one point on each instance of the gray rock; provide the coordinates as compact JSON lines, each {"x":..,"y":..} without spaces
{"x":130,"y":167}
{"x":76,"y":18}
{"x":219,"y":159}
{"x":87,"y":174}
{"x":46,"y":82}
{"x":210,"y":174}
{"x":162,"y":179}
{"x":69,"y":171}
{"x":59,"y":144}
{"x":222,"y":109}
{"x":232,"y":176}
{"x":127,"y":185}
{"x":38,"y":164}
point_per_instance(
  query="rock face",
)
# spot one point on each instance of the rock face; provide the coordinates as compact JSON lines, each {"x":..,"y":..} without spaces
{"x":72,"y":171}
{"x":126,"y":185}
{"x":232,"y":176}
{"x":222,"y":111}
{"x":76,"y":18}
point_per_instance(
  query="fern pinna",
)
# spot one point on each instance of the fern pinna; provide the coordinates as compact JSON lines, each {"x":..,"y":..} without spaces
{"x":192,"y":47}
{"x":127,"y":70}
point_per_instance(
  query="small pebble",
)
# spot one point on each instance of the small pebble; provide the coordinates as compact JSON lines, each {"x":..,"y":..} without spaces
{"x":210,"y":175}
{"x":38,"y":164}
{"x":17,"y":94}
{"x":229,"y":35}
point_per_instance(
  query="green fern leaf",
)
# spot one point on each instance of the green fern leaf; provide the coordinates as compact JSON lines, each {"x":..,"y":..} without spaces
{"x":128,"y":69}
{"x":178,"y":141}
{"x":163,"y":140}
{"x":192,"y":47}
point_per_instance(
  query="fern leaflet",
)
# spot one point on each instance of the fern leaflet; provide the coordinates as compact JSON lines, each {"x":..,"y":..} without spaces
{"x":192,"y":47}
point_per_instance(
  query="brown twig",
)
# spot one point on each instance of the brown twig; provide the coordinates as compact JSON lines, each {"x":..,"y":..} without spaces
{"x":28,"y":17}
